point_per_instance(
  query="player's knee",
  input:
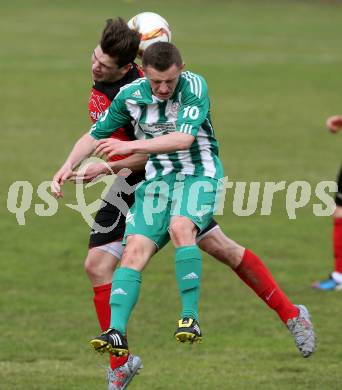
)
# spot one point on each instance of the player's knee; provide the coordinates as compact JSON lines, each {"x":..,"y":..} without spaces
{"x":99,"y":266}
{"x":130,"y":254}
{"x":92,"y":266}
{"x":137,"y":252}
{"x":182,"y":231}
{"x":89,"y":265}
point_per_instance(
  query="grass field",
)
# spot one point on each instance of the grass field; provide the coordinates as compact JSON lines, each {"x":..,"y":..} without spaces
{"x":274,"y":73}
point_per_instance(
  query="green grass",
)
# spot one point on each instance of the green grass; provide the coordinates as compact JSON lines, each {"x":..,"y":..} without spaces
{"x":273,"y":69}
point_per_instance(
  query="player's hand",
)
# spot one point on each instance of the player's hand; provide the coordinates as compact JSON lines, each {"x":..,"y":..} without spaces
{"x":90,"y":172}
{"x":110,"y":147}
{"x":58,"y":180}
{"x":334,"y":123}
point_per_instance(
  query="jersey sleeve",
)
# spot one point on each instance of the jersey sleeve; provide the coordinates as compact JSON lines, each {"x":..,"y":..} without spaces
{"x":111,"y":120}
{"x":194,"y":105}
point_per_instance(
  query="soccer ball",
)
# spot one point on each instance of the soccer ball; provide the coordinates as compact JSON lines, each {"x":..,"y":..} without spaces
{"x":152,"y":27}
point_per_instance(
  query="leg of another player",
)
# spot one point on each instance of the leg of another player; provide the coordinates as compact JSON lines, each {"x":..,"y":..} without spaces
{"x":250,"y":269}
{"x":334,"y":281}
{"x":254,"y":273}
{"x":337,"y":242}
{"x":188,"y":266}
{"x":99,"y":266}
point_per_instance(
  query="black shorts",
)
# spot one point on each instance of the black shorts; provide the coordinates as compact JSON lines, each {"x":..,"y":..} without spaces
{"x":338,"y":197}
{"x":110,"y":220}
{"x":203,"y":232}
{"x":108,"y":216}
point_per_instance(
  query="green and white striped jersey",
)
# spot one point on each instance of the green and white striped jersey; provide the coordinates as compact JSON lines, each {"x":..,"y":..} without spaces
{"x":187,"y":111}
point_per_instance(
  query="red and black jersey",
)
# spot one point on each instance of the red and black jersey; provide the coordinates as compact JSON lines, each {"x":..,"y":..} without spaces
{"x":103,"y":93}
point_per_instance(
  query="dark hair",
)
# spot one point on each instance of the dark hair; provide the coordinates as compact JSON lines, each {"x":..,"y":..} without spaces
{"x":161,"y":55}
{"x":120,"y":42}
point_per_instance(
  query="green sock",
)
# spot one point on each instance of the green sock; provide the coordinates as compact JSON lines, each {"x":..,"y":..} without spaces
{"x":188,"y":275}
{"x":123,"y":297}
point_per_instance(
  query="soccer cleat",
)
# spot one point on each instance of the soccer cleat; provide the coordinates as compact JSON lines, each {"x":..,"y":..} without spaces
{"x":303,"y":332}
{"x":120,"y":378}
{"x":329,"y":284}
{"x":111,"y":341}
{"x":188,"y":331}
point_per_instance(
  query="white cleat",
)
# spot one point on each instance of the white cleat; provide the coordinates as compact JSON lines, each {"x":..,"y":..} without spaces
{"x":121,"y":377}
{"x":303,"y":332}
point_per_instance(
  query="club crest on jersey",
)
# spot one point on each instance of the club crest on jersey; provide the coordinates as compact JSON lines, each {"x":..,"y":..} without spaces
{"x":156,"y":129}
{"x":98,"y":103}
{"x":172,"y":110}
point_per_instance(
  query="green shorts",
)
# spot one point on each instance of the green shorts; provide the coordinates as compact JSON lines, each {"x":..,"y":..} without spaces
{"x":158,"y":200}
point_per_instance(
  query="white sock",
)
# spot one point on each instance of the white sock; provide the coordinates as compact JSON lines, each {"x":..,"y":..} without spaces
{"x":337,"y":276}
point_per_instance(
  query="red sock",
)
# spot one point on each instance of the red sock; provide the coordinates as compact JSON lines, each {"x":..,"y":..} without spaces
{"x":255,"y":274}
{"x":337,"y":238}
{"x":101,"y":301}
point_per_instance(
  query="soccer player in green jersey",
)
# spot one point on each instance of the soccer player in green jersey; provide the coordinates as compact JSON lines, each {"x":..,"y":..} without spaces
{"x":170,"y":112}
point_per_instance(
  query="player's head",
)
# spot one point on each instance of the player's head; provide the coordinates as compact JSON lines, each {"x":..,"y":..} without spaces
{"x":162,"y":64}
{"x":117,"y":49}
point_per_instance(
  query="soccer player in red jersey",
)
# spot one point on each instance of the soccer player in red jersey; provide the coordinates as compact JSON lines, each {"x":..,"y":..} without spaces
{"x":111,"y":70}
{"x":112,"y":67}
{"x":334,"y":281}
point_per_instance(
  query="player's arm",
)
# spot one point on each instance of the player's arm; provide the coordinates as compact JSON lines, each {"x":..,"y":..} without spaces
{"x":334,"y":123}
{"x":164,"y":144}
{"x":83,"y":148}
{"x":135,"y":163}
{"x":112,"y":119}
